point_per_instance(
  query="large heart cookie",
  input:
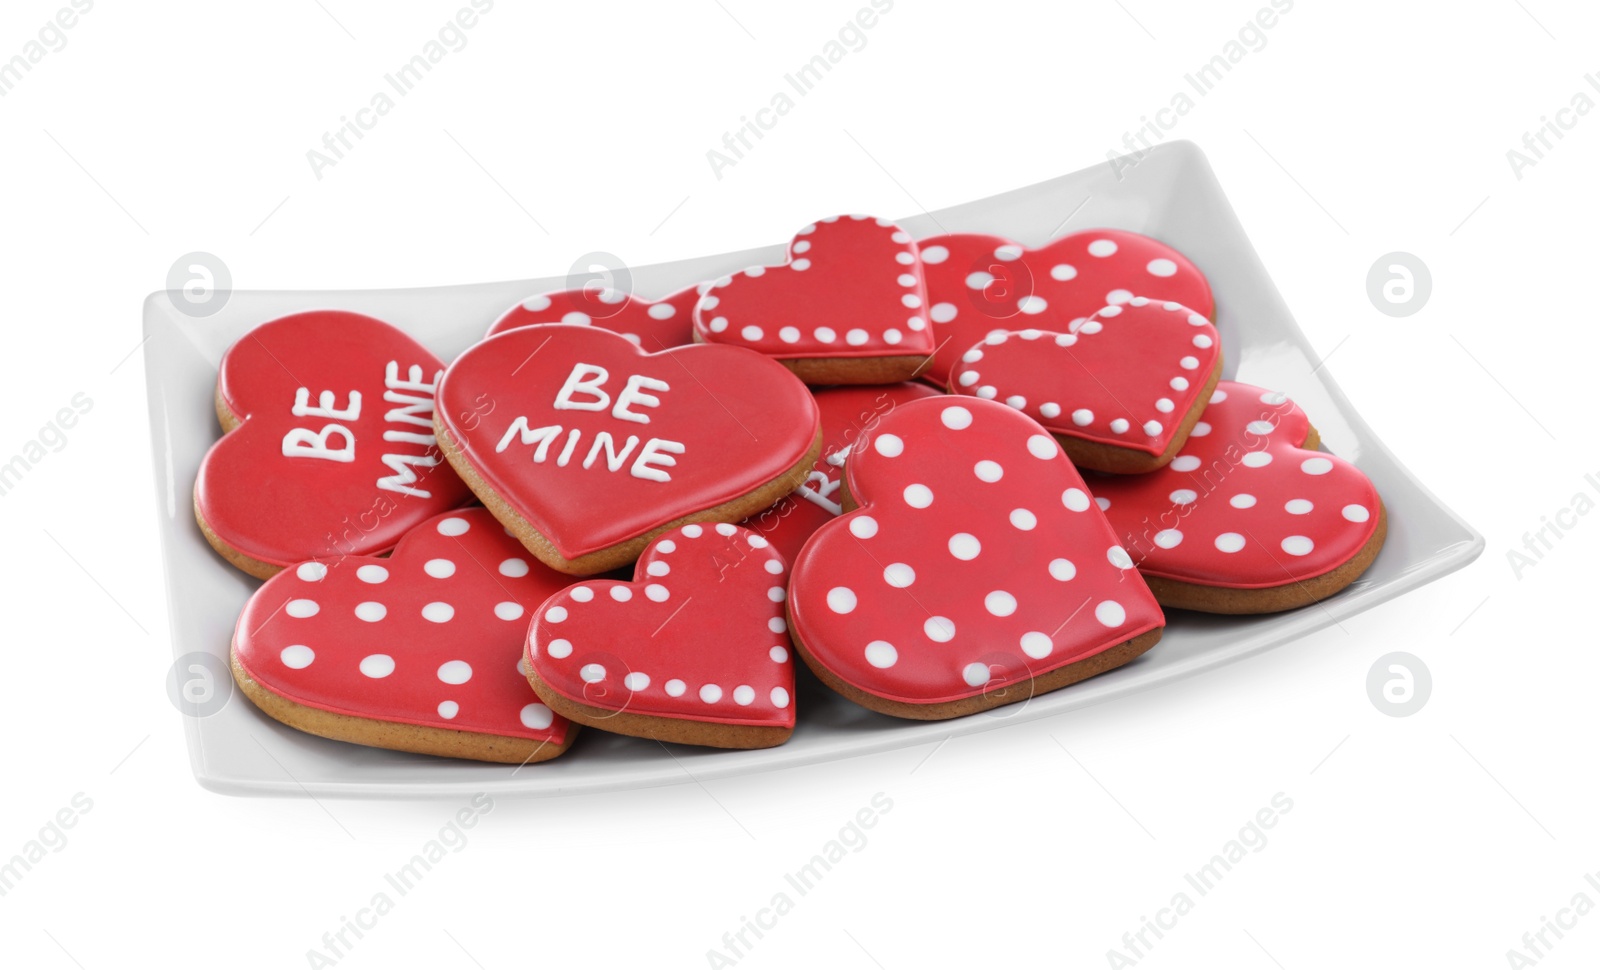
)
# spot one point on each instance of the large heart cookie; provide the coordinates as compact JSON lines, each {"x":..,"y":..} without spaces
{"x":848,"y":307}
{"x":974,"y":571}
{"x":417,"y":652}
{"x":978,"y":284}
{"x":847,"y":414}
{"x":587,"y":447}
{"x":694,"y":650}
{"x":1249,"y":518}
{"x":1120,"y":388}
{"x":329,"y":447}
{"x":652,"y":324}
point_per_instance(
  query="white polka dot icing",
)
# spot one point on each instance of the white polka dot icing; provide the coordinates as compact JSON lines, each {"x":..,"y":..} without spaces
{"x":1122,"y":379}
{"x":428,"y":636}
{"x":970,"y":288}
{"x":984,"y":580}
{"x":1254,"y":508}
{"x":652,"y":325}
{"x":861,"y":276}
{"x":698,"y":635}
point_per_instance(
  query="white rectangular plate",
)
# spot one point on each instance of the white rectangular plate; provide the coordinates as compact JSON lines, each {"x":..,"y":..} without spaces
{"x":1171,"y":195}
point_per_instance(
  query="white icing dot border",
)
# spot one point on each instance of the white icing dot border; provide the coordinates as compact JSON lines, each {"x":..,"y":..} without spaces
{"x":1085,"y":422}
{"x":682,"y":695}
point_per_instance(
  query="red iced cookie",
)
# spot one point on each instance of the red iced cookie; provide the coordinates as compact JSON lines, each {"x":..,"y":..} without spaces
{"x":587,"y":447}
{"x":975,"y":571}
{"x":1248,"y":518}
{"x":847,"y":413}
{"x":417,"y":652}
{"x":651,"y":324}
{"x":329,"y":447}
{"x":694,"y":650}
{"x":978,"y":284}
{"x":847,"y":308}
{"x":1120,"y":388}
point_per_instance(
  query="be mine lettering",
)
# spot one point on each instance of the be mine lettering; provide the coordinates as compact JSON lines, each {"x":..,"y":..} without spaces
{"x":584,"y":391}
{"x":415,"y":398}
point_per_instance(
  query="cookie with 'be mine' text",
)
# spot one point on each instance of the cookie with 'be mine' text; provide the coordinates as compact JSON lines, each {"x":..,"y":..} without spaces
{"x":848,"y":307}
{"x":695,"y":650}
{"x":587,"y":447}
{"x":329,"y":446}
{"x":418,"y":652}
{"x":971,"y":569}
{"x":1249,"y":517}
{"x":1120,"y":389}
{"x":978,"y":284}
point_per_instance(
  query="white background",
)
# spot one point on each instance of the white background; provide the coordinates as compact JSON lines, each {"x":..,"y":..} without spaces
{"x":1360,"y":128}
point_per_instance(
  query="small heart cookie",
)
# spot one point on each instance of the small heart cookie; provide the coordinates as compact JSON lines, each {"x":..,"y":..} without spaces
{"x":417,"y":652}
{"x":978,"y":284}
{"x":587,"y":447}
{"x":847,"y":414}
{"x":847,"y":308}
{"x":695,"y":650}
{"x":1249,"y":518}
{"x":651,"y":324}
{"x":1120,"y":388}
{"x":329,"y":447}
{"x":974,"y":570}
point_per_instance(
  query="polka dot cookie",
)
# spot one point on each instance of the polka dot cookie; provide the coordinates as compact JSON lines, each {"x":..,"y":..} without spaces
{"x":848,"y":307}
{"x":847,"y":414}
{"x":978,"y":284}
{"x":587,"y":447}
{"x":1249,"y":517}
{"x":653,"y":325}
{"x":695,"y":650}
{"x":329,"y":447}
{"x":974,"y":570}
{"x":1121,"y":388}
{"x":418,"y":652}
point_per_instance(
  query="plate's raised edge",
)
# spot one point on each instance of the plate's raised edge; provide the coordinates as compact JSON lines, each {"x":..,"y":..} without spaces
{"x":157,"y":309}
{"x":1191,"y":153}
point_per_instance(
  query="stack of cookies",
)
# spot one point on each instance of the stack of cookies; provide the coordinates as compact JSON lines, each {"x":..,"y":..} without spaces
{"x":945,"y":475}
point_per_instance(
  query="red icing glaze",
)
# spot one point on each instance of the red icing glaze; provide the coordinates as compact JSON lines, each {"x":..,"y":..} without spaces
{"x":707,"y":424}
{"x":976,"y":558}
{"x":698,"y":635}
{"x":652,"y":324}
{"x":430,"y":636}
{"x":1125,"y":376}
{"x":1243,"y":483}
{"x":847,"y":413}
{"x":978,"y":284}
{"x":282,"y":509}
{"x":852,"y":288}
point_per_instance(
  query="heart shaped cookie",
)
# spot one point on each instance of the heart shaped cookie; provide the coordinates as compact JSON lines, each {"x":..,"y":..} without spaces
{"x":848,"y":307}
{"x":1120,"y":388}
{"x":329,"y":447}
{"x":974,"y":570}
{"x":694,"y":650}
{"x":978,"y":284}
{"x":417,"y":652}
{"x":651,"y":324}
{"x":847,"y":413}
{"x":587,"y":447}
{"x":1249,"y":518}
